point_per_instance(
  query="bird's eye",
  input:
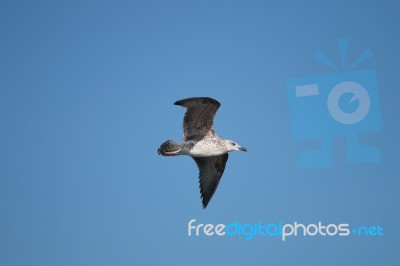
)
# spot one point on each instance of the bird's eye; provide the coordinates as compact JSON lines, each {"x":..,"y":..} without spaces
{"x":233,"y":143}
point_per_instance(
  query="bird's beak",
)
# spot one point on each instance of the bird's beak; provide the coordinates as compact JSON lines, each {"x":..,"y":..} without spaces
{"x":242,"y":149}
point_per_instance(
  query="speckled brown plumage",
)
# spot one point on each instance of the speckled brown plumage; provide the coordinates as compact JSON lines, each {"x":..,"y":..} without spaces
{"x":202,"y":143}
{"x":211,"y":170}
{"x":199,"y":117}
{"x":168,"y":146}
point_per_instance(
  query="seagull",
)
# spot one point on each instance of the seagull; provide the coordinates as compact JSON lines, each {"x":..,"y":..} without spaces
{"x":201,"y":142}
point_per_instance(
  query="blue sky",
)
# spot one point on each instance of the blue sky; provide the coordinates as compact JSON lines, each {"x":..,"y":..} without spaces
{"x":86,"y":97}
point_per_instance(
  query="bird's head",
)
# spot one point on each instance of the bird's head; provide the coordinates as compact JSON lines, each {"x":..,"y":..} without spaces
{"x":233,"y":146}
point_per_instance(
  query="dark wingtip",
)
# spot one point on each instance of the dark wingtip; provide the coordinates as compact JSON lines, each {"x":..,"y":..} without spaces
{"x":204,"y":201}
{"x":178,"y":102}
{"x":204,"y":100}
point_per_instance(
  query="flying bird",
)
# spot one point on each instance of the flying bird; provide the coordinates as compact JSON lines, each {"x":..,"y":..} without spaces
{"x":201,"y":142}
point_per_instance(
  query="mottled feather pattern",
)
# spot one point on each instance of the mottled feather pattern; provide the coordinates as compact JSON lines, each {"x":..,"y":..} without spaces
{"x":168,"y":146}
{"x":211,"y":170}
{"x":202,"y":143}
{"x":199,"y":117}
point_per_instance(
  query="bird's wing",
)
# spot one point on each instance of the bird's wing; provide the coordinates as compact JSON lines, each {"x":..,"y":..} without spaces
{"x":211,"y":170}
{"x":199,"y":117}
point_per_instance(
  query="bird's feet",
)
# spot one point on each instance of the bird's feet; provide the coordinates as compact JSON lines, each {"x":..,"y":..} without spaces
{"x":169,"y":148}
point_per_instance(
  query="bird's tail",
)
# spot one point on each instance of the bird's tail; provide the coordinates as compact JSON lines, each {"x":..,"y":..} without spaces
{"x":169,"y":148}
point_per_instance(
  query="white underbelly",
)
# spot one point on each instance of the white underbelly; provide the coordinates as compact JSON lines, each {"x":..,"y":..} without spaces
{"x":206,"y":149}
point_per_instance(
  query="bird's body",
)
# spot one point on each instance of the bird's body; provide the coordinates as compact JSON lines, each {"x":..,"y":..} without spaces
{"x":201,"y":142}
{"x":203,"y":148}
{"x":206,"y":148}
